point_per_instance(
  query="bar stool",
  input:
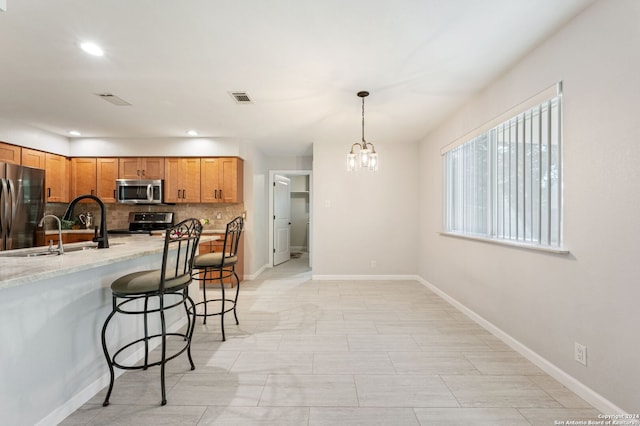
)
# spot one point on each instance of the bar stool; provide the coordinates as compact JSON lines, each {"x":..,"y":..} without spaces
{"x":220,"y":266}
{"x":132,"y":294}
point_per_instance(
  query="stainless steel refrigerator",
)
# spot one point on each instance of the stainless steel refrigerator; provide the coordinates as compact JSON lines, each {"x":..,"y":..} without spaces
{"x":21,"y":206}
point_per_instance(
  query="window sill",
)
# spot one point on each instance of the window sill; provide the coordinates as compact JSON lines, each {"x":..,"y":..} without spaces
{"x":555,"y":250}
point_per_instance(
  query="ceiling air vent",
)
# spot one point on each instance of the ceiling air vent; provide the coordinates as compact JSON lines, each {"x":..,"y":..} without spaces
{"x":111,"y":98}
{"x":241,"y":97}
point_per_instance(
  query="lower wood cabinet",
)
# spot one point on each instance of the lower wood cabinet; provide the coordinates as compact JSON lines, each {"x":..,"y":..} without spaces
{"x":74,"y":237}
{"x":216,"y":247}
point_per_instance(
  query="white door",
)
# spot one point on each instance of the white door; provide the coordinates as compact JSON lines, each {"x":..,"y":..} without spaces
{"x":281,"y":219}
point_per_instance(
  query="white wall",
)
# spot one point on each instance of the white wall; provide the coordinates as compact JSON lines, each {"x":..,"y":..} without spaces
{"x":153,"y":147}
{"x":31,"y":137}
{"x":547,"y":302}
{"x":256,"y":237}
{"x":361,"y":216}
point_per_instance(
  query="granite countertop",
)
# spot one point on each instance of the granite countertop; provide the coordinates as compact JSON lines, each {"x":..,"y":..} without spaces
{"x":155,"y":233}
{"x":15,"y":271}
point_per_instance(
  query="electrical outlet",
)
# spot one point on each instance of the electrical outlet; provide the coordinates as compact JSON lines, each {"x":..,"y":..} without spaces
{"x":580,"y":353}
{"x":218,"y":215}
{"x":373,"y":263}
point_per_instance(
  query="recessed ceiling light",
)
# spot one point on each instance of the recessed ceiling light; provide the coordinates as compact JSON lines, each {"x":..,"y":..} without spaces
{"x":192,"y":133}
{"x":92,"y":48}
{"x":74,"y":133}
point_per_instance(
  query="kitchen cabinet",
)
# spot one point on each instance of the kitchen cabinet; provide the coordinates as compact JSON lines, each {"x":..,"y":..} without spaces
{"x":182,"y":180}
{"x":56,"y":177}
{"x":217,"y":247}
{"x":222,"y":180}
{"x":33,"y":158}
{"x":9,"y":153}
{"x":141,"y":168}
{"x":95,"y":176}
{"x":106,"y":174}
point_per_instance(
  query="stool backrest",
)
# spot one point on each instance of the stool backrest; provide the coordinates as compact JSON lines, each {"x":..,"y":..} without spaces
{"x":180,"y":246}
{"x":232,"y":238}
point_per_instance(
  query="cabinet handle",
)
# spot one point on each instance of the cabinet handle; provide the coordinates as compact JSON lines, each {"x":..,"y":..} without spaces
{"x":215,"y":194}
{"x":184,"y":193}
{"x":93,"y":192}
{"x":48,"y":192}
{"x":178,"y":193}
{"x":220,"y":194}
{"x":143,"y":172}
{"x":137,"y":172}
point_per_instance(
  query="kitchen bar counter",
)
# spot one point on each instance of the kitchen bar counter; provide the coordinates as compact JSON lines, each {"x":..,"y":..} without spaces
{"x":15,"y":271}
{"x":51,"y":312}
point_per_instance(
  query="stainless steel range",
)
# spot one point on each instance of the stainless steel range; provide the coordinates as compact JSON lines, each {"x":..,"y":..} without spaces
{"x":145,"y":222}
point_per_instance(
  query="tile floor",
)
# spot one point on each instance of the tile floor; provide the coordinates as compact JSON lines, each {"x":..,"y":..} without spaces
{"x":341,"y":353}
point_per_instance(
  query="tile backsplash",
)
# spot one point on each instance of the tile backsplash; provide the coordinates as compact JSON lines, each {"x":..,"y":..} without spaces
{"x":118,"y":214}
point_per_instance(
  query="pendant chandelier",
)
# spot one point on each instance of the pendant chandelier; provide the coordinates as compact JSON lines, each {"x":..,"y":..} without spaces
{"x":363,"y":154}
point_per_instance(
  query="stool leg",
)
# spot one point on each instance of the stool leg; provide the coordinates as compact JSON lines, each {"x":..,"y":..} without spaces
{"x":146,"y":333}
{"x":204,"y":295}
{"x":164,"y":350}
{"x":192,"y":326}
{"x":106,"y":354}
{"x":222,"y":300}
{"x":235,"y":300}
{"x":186,"y":309}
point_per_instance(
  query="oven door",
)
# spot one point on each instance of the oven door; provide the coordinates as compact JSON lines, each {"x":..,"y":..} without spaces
{"x":129,"y":191}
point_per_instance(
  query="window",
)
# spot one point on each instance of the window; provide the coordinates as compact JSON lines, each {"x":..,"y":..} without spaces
{"x":503,"y":182}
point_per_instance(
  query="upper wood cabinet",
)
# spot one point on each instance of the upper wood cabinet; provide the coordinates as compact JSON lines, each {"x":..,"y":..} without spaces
{"x":56,"y":176}
{"x":141,"y":168}
{"x":9,"y":153}
{"x":222,"y":180}
{"x":95,"y":176}
{"x":182,"y":180}
{"x":33,"y":158}
{"x":106,"y":174}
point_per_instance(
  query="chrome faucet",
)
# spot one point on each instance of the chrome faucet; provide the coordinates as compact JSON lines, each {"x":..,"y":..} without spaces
{"x":60,"y":248}
{"x":101,"y":238}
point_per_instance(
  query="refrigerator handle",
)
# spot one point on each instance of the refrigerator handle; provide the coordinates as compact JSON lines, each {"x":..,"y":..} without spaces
{"x":12,"y":202}
{"x":4,"y":206}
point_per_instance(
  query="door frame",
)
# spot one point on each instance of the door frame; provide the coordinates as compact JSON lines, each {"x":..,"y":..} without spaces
{"x":288,"y":173}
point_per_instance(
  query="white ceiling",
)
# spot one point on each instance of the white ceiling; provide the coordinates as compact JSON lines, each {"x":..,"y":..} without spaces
{"x":301,"y":61}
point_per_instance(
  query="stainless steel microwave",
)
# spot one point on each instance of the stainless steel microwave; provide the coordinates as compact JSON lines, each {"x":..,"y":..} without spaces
{"x":135,"y":191}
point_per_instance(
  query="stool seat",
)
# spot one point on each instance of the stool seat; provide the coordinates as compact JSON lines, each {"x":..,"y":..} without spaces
{"x":214,"y":260}
{"x":147,"y":282}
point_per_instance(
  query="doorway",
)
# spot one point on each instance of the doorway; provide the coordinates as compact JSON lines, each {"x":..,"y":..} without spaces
{"x":290,"y":216}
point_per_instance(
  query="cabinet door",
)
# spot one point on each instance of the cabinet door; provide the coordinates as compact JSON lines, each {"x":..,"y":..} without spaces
{"x":56,"y":178}
{"x":231,"y":180}
{"x":83,"y":176}
{"x":33,"y":158}
{"x":9,"y":153}
{"x":106,"y":174}
{"x":190,"y":180}
{"x":172,"y":189}
{"x":153,"y":168}
{"x":210,"y":173}
{"x":129,"y":168}
{"x":221,"y":180}
{"x":182,"y":180}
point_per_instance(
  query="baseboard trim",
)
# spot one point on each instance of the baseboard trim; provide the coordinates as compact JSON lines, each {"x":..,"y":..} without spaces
{"x":325,"y":277}
{"x":81,"y":398}
{"x":250,"y":277}
{"x":592,"y":397}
